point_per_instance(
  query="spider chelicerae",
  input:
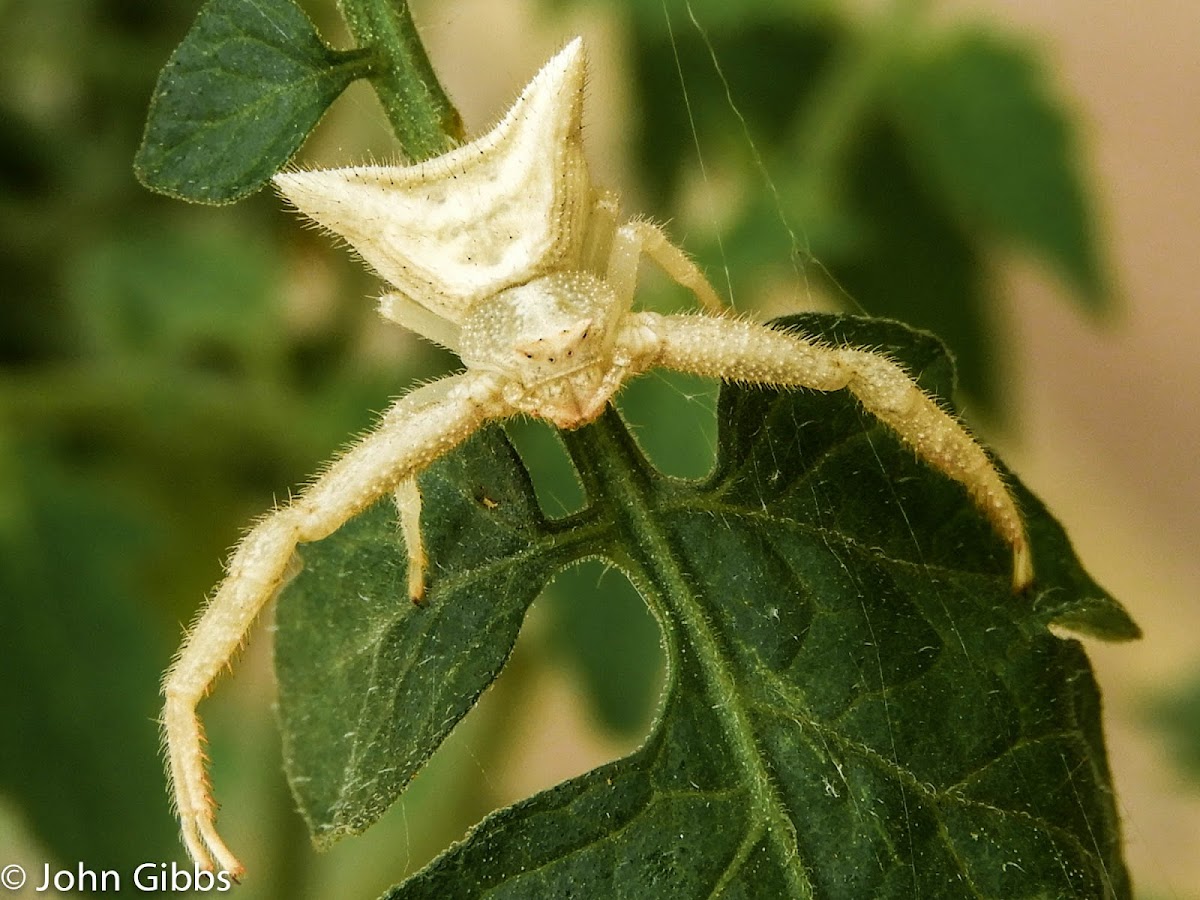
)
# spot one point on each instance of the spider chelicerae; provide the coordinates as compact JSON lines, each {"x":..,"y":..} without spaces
{"x":503,"y":251}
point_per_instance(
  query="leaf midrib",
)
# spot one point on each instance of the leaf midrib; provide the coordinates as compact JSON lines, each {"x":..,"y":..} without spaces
{"x":660,"y":578}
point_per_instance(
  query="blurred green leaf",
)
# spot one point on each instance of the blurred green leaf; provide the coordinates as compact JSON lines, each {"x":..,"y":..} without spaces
{"x":857,"y":704}
{"x":908,"y":259}
{"x":769,"y":66}
{"x":653,"y":16}
{"x":1176,"y":713}
{"x":985,"y":132}
{"x":605,"y":635}
{"x":181,"y":298}
{"x":79,"y":668}
{"x":237,"y":99}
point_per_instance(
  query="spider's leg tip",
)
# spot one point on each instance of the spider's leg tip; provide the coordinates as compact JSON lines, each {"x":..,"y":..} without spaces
{"x":1022,"y":567}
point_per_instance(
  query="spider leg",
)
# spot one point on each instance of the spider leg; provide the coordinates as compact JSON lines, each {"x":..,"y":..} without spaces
{"x":407,"y":497}
{"x":602,"y":227}
{"x":632,"y":240}
{"x":412,"y":315}
{"x":418,"y":429}
{"x":744,"y":351}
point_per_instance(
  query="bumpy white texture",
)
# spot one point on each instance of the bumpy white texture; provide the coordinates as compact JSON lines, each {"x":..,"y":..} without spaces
{"x":418,"y":226}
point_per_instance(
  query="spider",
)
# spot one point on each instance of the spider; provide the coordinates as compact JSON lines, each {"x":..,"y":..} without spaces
{"x":503,"y":251}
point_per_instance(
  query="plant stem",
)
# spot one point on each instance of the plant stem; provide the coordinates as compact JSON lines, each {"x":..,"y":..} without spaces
{"x":421,"y":114}
{"x":617,"y":478}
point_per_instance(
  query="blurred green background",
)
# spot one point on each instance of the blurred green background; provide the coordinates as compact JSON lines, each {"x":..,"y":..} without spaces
{"x":167,"y":371}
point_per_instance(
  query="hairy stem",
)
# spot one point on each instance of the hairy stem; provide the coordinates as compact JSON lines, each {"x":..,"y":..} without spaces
{"x":617,"y":477}
{"x":421,"y":114}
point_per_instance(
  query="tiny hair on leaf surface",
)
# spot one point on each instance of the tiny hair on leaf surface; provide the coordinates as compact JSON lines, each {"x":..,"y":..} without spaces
{"x":857,"y":704}
{"x":852,"y":593}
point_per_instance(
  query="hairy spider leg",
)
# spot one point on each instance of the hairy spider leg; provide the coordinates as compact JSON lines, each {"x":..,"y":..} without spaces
{"x":407,"y":494}
{"x":746,"y":352}
{"x":407,"y":497}
{"x":639,"y":237}
{"x":403,"y":443}
{"x":633,"y":345}
{"x":412,"y":315}
{"x":601,"y":227}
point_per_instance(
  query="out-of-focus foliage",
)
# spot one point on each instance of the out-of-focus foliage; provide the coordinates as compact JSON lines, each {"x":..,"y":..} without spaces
{"x":876,"y":160}
{"x":1177,"y":714}
{"x":163,"y":377}
{"x":156,"y":391}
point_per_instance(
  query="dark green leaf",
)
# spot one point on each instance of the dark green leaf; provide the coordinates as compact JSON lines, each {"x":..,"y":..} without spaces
{"x":369,"y":683}
{"x":237,"y":99}
{"x":984,"y":130}
{"x":857,"y":704}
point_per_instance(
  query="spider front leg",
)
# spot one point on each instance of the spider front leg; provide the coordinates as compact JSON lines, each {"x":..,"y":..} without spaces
{"x":407,"y":497}
{"x":632,"y":240}
{"x":413,"y":434}
{"x":407,"y":494}
{"x":748,"y":352}
{"x":633,"y":343}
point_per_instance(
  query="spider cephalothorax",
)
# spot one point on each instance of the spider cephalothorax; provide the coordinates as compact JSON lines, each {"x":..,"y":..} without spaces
{"x":502,"y":251}
{"x":550,"y":341}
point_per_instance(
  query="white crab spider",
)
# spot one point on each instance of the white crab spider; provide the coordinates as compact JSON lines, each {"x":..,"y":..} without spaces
{"x":503,"y":251}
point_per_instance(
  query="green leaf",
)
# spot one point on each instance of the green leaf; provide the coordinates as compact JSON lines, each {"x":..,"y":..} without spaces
{"x":984,"y":130}
{"x":237,"y":99}
{"x":369,"y":683}
{"x":1175,"y":713}
{"x":79,"y":667}
{"x":857,"y":705}
{"x":912,"y":260}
